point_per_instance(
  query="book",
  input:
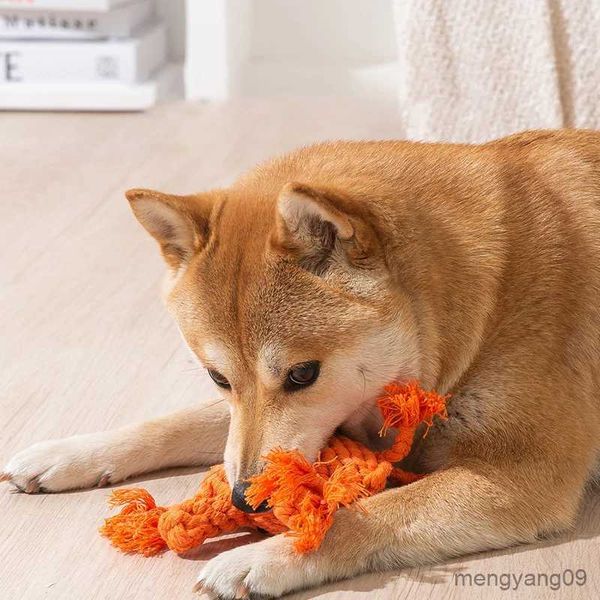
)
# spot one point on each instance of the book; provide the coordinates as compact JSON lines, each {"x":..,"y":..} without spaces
{"x":71,"y":5}
{"x":166,"y":83}
{"x":41,"y":61}
{"x":39,"y":24}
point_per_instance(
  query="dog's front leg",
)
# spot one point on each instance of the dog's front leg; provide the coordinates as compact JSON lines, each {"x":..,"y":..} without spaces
{"x":195,"y":436}
{"x":449,"y":513}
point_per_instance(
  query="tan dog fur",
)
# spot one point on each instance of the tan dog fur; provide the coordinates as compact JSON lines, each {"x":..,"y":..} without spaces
{"x":474,"y":268}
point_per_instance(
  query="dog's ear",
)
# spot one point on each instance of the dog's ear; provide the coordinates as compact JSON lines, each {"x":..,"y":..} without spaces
{"x":312,"y":221}
{"x":178,"y":223}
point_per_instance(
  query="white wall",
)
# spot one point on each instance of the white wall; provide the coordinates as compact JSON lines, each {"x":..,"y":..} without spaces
{"x":308,"y":47}
{"x":317,"y":31}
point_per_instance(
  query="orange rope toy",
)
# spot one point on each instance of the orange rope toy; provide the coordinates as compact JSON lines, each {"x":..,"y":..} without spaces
{"x":303,"y":497}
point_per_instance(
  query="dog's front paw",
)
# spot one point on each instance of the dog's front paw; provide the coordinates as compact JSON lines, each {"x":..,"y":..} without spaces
{"x":268,"y":569}
{"x":56,"y":465}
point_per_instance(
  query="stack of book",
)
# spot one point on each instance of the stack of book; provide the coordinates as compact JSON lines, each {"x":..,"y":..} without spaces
{"x":81,"y":55}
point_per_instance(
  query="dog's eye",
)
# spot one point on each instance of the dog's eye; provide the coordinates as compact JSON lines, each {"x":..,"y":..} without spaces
{"x":219,"y":379}
{"x":302,"y":375}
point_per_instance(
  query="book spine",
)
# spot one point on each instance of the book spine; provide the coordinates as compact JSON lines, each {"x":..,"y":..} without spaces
{"x":119,"y":22}
{"x":72,"y":5}
{"x":124,"y":61}
{"x":19,"y":25}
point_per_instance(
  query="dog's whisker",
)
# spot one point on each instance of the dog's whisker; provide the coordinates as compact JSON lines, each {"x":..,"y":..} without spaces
{"x":205,"y":406}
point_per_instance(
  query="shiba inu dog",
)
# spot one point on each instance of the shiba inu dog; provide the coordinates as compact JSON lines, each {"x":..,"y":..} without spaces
{"x":319,"y":277}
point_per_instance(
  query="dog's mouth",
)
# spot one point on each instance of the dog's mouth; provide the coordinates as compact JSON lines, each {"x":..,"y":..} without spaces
{"x":366,"y":430}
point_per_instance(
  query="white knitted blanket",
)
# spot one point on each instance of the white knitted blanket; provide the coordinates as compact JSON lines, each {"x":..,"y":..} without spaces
{"x":473,"y":70}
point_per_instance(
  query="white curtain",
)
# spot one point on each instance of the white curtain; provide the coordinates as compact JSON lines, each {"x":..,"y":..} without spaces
{"x":473,"y":70}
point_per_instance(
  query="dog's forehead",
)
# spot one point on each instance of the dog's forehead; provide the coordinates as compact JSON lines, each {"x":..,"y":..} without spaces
{"x":268,"y":333}
{"x":263,"y":311}
{"x":267,"y":302}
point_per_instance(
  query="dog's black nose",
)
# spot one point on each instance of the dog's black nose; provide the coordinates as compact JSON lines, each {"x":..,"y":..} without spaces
{"x":238,"y":499}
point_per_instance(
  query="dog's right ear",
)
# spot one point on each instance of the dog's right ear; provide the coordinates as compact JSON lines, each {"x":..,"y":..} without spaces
{"x":312,"y":221}
{"x":178,"y":223}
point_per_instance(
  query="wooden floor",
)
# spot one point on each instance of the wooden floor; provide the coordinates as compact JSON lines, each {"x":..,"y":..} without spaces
{"x":85,"y":343}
